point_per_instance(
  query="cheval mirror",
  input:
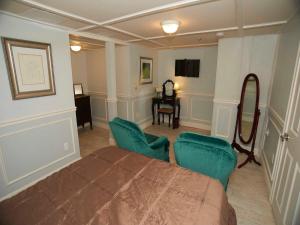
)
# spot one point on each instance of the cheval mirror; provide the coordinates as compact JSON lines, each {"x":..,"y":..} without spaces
{"x":247,"y":119}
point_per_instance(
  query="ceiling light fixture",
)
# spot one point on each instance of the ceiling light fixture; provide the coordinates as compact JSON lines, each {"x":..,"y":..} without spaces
{"x":170,"y":26}
{"x":220,"y":34}
{"x":75,"y":48}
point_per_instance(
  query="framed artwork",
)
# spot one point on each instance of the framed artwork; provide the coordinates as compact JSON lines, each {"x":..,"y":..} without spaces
{"x":78,"y":90}
{"x":29,"y":67}
{"x":146,"y":67}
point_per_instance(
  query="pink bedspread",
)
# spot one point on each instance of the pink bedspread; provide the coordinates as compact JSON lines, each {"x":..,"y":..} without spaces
{"x":116,"y":187}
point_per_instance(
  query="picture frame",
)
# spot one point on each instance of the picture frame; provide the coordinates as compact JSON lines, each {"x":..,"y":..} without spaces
{"x":146,"y":70}
{"x":78,"y":89}
{"x":30,"y":68}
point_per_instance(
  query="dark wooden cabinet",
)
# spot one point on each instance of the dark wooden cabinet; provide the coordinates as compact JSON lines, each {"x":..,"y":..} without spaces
{"x":83,"y":110}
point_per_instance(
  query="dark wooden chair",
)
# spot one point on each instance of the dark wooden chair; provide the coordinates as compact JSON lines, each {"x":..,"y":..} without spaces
{"x":168,"y":98}
{"x":163,"y":111}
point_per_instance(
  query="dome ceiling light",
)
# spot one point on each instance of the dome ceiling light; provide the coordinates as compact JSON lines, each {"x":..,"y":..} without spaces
{"x":75,"y":48}
{"x":170,"y":26}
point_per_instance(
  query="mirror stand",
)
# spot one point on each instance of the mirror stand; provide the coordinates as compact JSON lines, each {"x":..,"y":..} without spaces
{"x":247,"y":116}
{"x":251,"y":156}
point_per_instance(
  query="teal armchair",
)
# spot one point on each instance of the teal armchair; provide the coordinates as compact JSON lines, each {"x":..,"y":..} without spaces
{"x":129,"y":136}
{"x":211,"y":156}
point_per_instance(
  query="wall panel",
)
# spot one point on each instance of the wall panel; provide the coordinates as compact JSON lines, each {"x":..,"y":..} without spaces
{"x":32,"y":148}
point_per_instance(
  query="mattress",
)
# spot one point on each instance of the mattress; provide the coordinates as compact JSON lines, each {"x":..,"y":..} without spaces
{"x":117,"y":187}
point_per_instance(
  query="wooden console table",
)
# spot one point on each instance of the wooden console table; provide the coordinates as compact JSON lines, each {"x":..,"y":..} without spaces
{"x":156,"y":102}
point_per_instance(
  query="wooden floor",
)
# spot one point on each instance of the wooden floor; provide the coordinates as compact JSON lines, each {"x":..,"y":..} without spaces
{"x":247,"y":190}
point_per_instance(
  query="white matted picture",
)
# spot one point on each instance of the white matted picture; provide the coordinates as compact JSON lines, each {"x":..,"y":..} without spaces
{"x":78,"y":89}
{"x":146,"y":66}
{"x":29,"y":67}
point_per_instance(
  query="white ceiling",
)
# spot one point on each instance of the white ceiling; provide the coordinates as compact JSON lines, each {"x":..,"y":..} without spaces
{"x":138,"y":21}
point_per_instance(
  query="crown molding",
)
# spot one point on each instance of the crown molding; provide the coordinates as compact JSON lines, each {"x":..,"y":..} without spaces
{"x":54,"y":26}
{"x":189,"y":33}
{"x":189,"y":46}
{"x":73,"y":41}
{"x":261,"y":25}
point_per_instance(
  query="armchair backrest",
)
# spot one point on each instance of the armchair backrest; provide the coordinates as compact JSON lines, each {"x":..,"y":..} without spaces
{"x":207,"y":140}
{"x":128,"y":135}
{"x":211,"y":156}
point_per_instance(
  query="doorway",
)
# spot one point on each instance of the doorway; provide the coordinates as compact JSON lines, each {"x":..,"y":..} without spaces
{"x":89,"y":84}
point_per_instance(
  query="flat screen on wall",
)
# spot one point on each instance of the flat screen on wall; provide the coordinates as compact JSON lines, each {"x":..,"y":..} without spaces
{"x":187,"y":67}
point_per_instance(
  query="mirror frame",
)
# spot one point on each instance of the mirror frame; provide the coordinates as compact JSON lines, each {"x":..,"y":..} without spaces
{"x":256,"y":111}
{"x":164,"y":89}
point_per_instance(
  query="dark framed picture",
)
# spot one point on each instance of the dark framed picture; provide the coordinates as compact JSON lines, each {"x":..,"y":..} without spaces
{"x":78,"y":89}
{"x":146,"y":70}
{"x":30,"y":68}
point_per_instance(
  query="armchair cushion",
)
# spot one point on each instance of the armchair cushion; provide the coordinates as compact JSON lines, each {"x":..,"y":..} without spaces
{"x":129,"y":136}
{"x":211,"y":156}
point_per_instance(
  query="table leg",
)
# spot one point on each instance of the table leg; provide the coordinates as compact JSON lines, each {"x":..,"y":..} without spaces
{"x":174,"y":117}
{"x":178,"y":113}
{"x":153,"y":113}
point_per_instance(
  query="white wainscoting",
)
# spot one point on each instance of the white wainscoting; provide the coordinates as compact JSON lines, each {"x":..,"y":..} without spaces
{"x":99,"y":108}
{"x":286,"y":194}
{"x":141,"y":108}
{"x":293,"y":198}
{"x":45,"y":144}
{"x":196,"y":109}
{"x":224,"y":118}
{"x":135,"y":108}
{"x":270,"y":153}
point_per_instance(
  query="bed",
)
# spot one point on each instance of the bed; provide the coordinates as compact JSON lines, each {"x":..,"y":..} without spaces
{"x":117,"y":187}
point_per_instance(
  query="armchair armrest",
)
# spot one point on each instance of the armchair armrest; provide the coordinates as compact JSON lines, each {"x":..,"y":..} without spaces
{"x":150,"y":138}
{"x":159,"y":142}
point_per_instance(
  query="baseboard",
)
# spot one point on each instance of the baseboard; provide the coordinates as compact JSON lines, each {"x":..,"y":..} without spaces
{"x":143,"y":125}
{"x":195,"y":125}
{"x":100,"y":124}
{"x":36,"y":181}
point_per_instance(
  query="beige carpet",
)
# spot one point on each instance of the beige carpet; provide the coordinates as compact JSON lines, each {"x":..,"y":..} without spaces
{"x":91,"y":140}
{"x":247,"y":190}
